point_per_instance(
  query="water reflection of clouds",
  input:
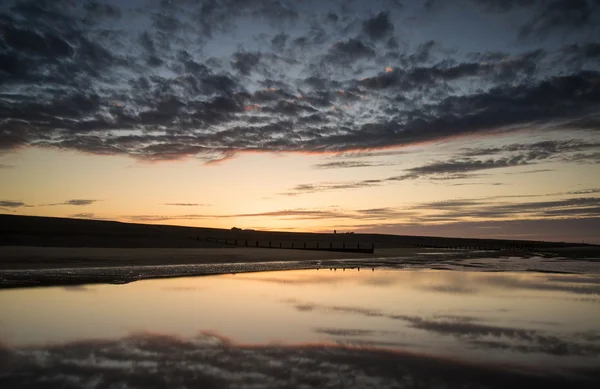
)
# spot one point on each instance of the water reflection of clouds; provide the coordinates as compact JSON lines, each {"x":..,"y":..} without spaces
{"x":449,"y":289}
{"x":294,"y":279}
{"x":158,"y":361}
{"x":488,"y":319}
{"x":183,"y":288}
{"x":474,"y":333}
{"x":349,"y":332}
{"x":545,"y":283}
{"x":442,"y":281}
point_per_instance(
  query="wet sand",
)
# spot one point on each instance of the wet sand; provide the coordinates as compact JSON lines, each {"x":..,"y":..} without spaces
{"x":23,"y":257}
{"x":22,"y":266}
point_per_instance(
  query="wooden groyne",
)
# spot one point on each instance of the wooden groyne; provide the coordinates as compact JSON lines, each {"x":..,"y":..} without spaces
{"x":313,"y":246}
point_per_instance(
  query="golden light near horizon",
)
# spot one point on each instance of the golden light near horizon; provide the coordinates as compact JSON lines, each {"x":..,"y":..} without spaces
{"x":389,"y":69}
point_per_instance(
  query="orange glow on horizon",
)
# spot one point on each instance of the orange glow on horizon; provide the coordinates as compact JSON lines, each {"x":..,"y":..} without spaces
{"x":389,"y":69}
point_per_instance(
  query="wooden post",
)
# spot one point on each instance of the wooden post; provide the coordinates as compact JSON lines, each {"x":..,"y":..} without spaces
{"x":257,"y":243}
{"x":292,"y":244}
{"x":269,"y":244}
{"x":246,"y":242}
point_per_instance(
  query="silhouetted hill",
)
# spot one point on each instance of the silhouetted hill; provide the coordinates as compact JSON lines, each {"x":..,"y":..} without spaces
{"x":64,"y":232}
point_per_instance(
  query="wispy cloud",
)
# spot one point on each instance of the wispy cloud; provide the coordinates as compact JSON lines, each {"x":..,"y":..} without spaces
{"x":75,"y":202}
{"x":187,"y":204}
{"x":470,"y":163}
{"x":12,"y":204}
{"x":486,"y":209}
{"x":84,"y":215}
{"x":347,"y":164}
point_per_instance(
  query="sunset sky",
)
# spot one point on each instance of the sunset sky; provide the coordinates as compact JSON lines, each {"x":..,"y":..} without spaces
{"x":475,"y":118}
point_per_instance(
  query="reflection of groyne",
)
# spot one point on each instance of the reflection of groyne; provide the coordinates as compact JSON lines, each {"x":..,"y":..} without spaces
{"x":314,"y":246}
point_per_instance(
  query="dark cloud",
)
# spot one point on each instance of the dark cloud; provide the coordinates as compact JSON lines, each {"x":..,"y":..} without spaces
{"x":570,"y":228}
{"x":567,"y":15}
{"x":572,"y":150}
{"x":582,"y":52}
{"x":207,"y":79}
{"x":279,"y":41}
{"x":578,"y":207}
{"x":79,"y":202}
{"x":75,"y":202}
{"x":505,"y":5}
{"x":468,"y":164}
{"x":11,"y":204}
{"x":378,"y":27}
{"x":350,"y":50}
{"x":245,"y":62}
{"x":459,"y":166}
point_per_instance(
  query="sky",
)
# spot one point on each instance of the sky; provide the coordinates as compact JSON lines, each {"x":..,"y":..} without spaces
{"x":469,"y":118}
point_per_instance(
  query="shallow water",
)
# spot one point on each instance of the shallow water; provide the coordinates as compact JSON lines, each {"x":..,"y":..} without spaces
{"x":546,"y":325}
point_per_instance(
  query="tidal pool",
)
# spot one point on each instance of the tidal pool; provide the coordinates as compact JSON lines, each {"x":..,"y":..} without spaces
{"x":308,"y":328}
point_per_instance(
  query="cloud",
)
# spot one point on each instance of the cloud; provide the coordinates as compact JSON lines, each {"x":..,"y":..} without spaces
{"x":505,"y":5}
{"x":566,"y":229}
{"x":475,"y":215}
{"x":85,"y":215}
{"x":164,"y":81}
{"x":75,"y":202}
{"x":80,"y":202}
{"x":379,"y":26}
{"x":11,"y":204}
{"x":350,"y":50}
{"x":459,"y":210}
{"x":538,"y":150}
{"x":186,"y":204}
{"x":330,"y":213}
{"x":467,"y":164}
{"x":456,"y":167}
{"x":563,"y":15}
{"x":345,"y":332}
{"x":346,"y":164}
{"x":328,"y":186}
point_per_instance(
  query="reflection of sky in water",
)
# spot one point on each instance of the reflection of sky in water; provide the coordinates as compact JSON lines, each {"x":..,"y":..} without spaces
{"x":525,"y":318}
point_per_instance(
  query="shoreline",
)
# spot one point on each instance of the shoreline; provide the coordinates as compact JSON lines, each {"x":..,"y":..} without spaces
{"x":27,"y":266}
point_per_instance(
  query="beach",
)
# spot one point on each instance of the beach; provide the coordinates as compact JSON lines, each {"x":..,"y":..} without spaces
{"x":49,"y":266}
